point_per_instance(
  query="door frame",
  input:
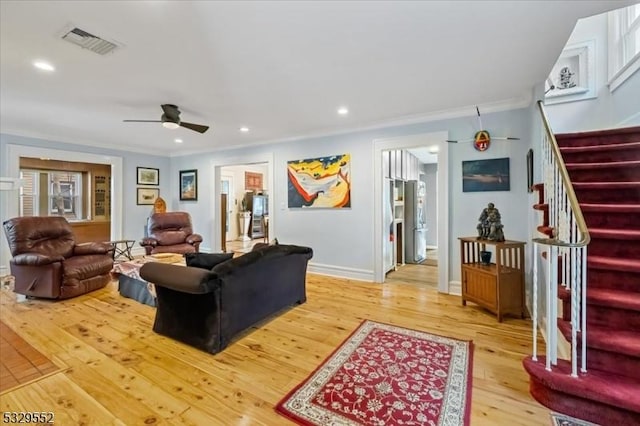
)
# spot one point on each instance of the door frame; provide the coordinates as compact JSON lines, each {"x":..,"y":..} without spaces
{"x":217,"y":165}
{"x":230,"y":196}
{"x":406,"y":142}
{"x":11,"y":208}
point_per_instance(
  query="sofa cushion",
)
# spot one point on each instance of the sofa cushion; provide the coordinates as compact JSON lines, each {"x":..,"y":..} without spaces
{"x":206,"y":260}
{"x":269,"y":252}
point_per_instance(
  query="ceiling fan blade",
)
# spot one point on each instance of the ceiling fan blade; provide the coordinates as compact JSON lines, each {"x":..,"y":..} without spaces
{"x":451,"y":141}
{"x":171,"y":111}
{"x":505,"y":139}
{"x":142,"y":121}
{"x":197,"y":127}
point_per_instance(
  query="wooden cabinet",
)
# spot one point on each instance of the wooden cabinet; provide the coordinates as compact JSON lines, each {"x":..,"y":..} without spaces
{"x":386,"y":170}
{"x":404,"y":175}
{"x":499,"y":286}
{"x":400,"y":164}
{"x":101,"y":196}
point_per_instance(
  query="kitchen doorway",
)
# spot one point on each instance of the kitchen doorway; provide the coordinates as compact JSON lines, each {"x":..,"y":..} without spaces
{"x":432,"y":141}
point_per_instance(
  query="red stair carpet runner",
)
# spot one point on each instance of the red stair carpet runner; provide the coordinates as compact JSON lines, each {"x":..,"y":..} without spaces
{"x":387,"y":375}
{"x":604,"y":167}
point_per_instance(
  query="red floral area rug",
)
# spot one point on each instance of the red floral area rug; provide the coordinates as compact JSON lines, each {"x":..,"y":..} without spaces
{"x":387,"y":375}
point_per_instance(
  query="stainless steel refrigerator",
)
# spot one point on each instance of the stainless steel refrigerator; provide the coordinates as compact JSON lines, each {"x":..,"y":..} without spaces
{"x":415,"y":248}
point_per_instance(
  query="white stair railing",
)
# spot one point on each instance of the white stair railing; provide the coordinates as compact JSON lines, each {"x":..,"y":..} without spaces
{"x":566,"y":255}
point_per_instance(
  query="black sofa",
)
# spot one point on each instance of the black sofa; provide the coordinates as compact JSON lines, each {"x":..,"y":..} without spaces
{"x":207,"y":308}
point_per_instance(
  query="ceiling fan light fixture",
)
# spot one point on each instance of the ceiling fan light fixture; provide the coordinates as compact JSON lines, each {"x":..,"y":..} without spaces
{"x":170,"y":125}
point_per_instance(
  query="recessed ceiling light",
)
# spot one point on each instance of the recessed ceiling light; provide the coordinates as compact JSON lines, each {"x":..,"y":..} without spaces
{"x":434,"y":149}
{"x":244,"y":129}
{"x":343,"y":110}
{"x":177,"y":140}
{"x":44,"y":66}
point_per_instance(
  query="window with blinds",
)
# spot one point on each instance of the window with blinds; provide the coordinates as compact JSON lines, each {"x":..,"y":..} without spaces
{"x":51,"y":193}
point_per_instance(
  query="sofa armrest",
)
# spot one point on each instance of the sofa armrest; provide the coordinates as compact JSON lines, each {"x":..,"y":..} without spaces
{"x":148,"y":241}
{"x":92,"y":248}
{"x":194,"y":238}
{"x":179,"y":278}
{"x":36,"y":259}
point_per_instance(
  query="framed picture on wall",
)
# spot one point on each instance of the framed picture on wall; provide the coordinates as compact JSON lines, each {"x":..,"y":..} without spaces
{"x":253,"y":181}
{"x":148,"y":176}
{"x":486,"y":175}
{"x":322,"y":182}
{"x":147,"y":196}
{"x":188,"y":185}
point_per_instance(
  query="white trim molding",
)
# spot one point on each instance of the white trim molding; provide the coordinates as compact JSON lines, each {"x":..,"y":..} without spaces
{"x":407,"y":142}
{"x":340,"y":272}
{"x":9,"y":183}
{"x":455,"y":288}
{"x":12,"y":206}
{"x":217,"y":166}
{"x":573,"y":75}
{"x":624,"y":73}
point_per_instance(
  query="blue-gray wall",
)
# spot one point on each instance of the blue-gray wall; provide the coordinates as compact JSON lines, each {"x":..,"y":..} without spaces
{"x":341,"y":238}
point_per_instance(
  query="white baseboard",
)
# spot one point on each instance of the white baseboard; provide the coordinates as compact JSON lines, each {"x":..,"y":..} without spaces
{"x":341,"y":272}
{"x":455,"y":288}
{"x":632,"y":120}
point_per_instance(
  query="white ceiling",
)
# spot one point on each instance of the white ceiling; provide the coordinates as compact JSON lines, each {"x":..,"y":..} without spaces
{"x":281,"y":68}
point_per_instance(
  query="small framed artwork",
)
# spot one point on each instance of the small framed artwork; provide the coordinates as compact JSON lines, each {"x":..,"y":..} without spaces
{"x":147,"y":196}
{"x":188,"y":185}
{"x":253,"y":181}
{"x":530,"y":170}
{"x":148,"y":176}
{"x":486,"y":175}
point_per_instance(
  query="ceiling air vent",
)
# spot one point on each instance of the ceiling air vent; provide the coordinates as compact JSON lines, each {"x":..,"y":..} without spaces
{"x":89,"y":41}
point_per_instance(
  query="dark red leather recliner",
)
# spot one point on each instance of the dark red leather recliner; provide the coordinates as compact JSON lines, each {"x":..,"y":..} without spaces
{"x":48,"y":263}
{"x":170,"y":232}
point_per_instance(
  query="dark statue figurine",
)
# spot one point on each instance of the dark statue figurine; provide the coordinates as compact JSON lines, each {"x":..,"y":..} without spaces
{"x":489,"y":225}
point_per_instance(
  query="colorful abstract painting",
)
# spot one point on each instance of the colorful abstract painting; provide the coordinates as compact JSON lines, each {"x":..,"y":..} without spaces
{"x":323,"y":182}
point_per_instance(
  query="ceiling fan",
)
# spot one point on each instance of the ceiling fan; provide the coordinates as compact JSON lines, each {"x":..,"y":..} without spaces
{"x":482,"y":138}
{"x":171,"y":120}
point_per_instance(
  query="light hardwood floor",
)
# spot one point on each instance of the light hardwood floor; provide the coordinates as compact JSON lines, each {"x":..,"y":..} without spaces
{"x":116,"y":370}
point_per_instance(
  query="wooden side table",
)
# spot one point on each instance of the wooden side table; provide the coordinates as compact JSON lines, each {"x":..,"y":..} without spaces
{"x":122,"y":248}
{"x":499,"y":286}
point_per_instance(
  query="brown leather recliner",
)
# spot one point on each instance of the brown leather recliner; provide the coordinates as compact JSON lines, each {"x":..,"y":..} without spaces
{"x":48,"y":263}
{"x":170,"y":232}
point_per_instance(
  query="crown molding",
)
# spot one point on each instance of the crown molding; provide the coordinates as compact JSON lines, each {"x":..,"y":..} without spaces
{"x":446,"y":114}
{"x":458,"y":112}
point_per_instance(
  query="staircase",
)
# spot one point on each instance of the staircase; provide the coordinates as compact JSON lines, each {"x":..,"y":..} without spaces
{"x":604,"y":168}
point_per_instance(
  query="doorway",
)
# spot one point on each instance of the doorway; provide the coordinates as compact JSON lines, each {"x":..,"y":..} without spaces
{"x":239,"y":178}
{"x":430,"y":141}
{"x":420,"y":219}
{"x":227,"y":189}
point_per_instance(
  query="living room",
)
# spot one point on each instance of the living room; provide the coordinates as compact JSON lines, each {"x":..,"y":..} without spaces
{"x":344,"y":240}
